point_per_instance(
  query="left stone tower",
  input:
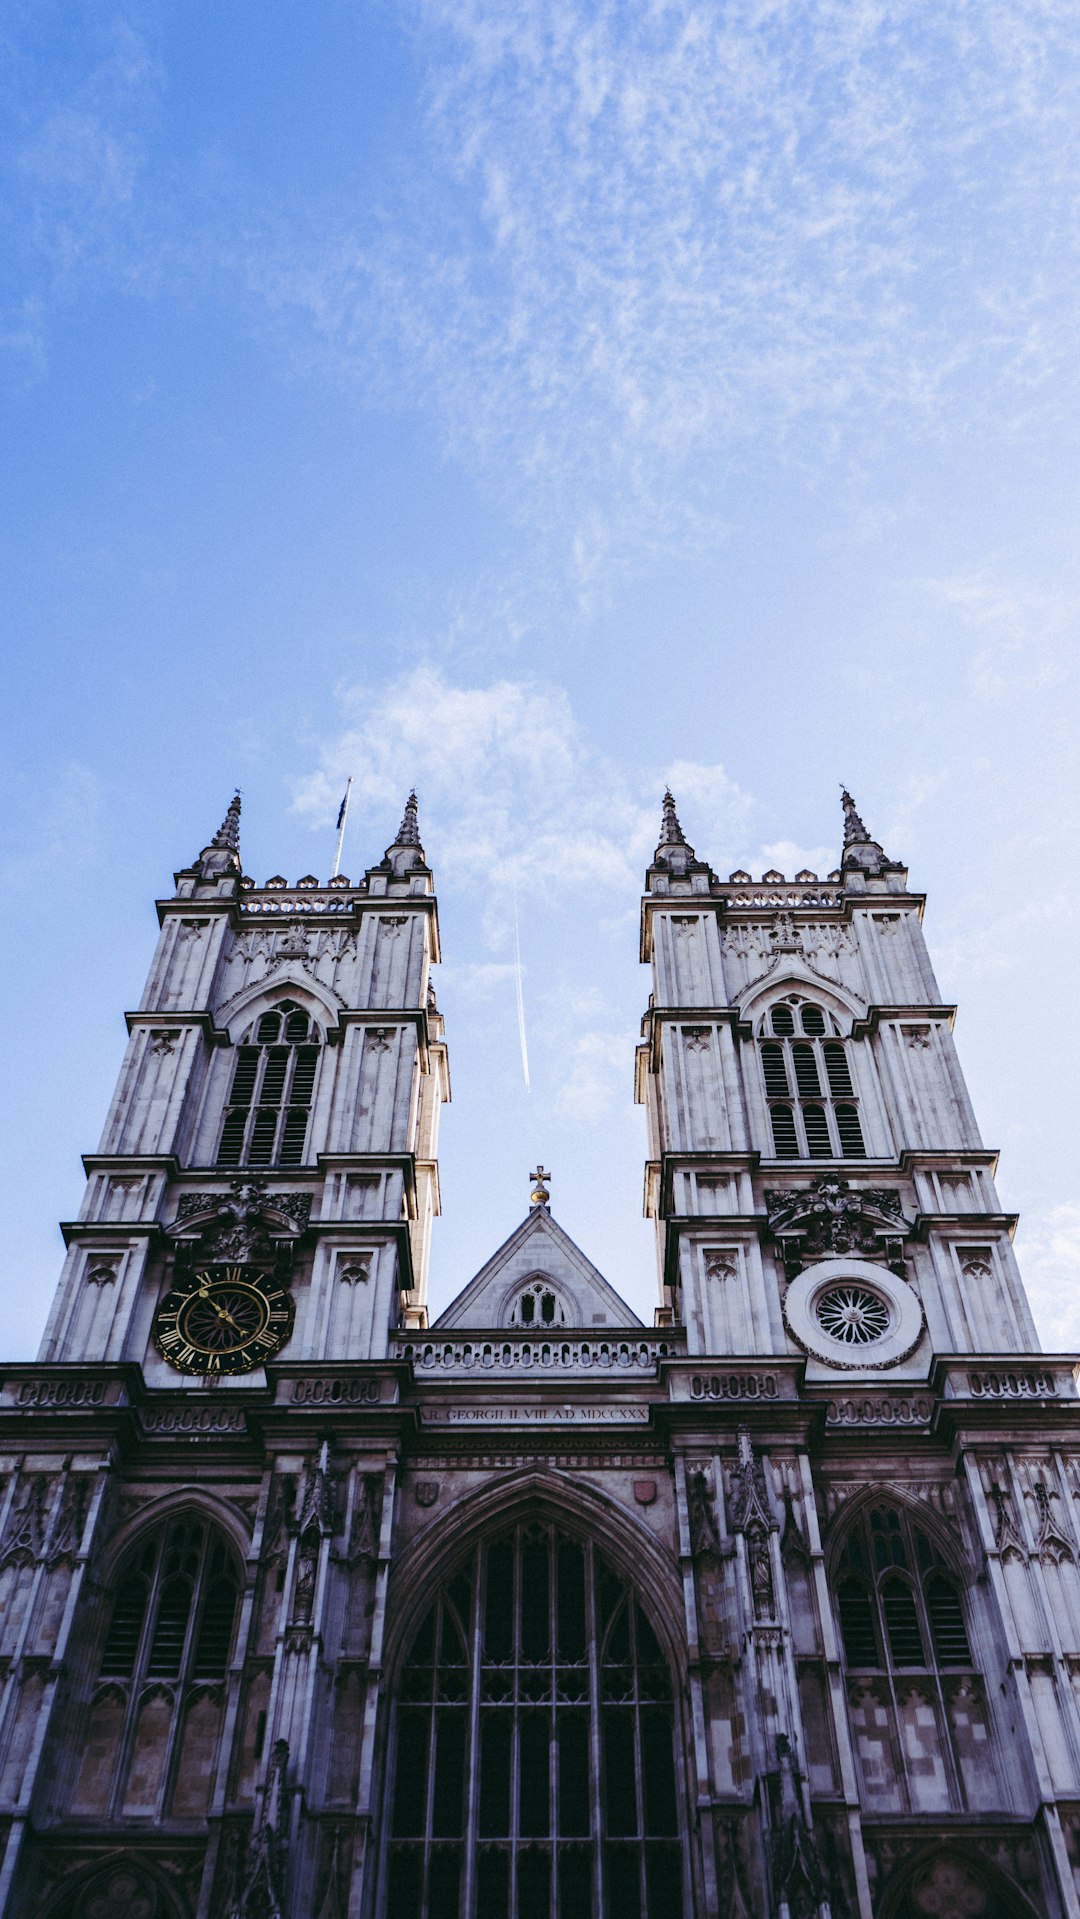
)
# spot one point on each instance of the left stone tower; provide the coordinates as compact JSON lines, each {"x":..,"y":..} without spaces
{"x":266,"y":1177}
{"x":188,"y":1578}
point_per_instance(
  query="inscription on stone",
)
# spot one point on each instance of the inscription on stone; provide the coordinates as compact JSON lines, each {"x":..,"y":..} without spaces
{"x":539,"y":1416}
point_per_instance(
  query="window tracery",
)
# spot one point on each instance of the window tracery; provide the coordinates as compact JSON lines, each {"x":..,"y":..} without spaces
{"x":534,"y":1773}
{"x":155,"y":1719}
{"x":270,"y":1097}
{"x":538,"y":1306}
{"x":808,"y":1084}
{"x":915,"y":1699}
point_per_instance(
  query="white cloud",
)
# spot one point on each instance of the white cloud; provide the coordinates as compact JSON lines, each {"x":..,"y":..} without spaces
{"x":641,"y":238}
{"x":510,"y":787}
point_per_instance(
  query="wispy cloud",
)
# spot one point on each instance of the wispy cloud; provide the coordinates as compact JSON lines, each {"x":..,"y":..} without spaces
{"x":646,"y":237}
{"x":511,"y":786}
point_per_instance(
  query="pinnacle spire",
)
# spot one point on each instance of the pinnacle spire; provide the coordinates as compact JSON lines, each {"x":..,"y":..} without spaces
{"x":854,"y":830}
{"x":405,"y":851}
{"x":861,"y":851}
{"x":409,"y":830}
{"x":228,"y":833}
{"x":674,"y":854}
{"x":220,"y":858}
{"x":671,"y":833}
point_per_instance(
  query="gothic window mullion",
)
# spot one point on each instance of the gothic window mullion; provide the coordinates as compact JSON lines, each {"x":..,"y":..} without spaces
{"x":596,"y":1822}
{"x":639,"y":1756}
{"x":472,"y":1757}
{"x":135,"y":1686}
{"x":185,"y":1677}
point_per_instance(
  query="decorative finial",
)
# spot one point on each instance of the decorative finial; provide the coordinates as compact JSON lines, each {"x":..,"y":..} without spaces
{"x":220,"y":859}
{"x":861,"y":852}
{"x":540,"y":1195}
{"x":671,"y":833}
{"x":405,"y":853}
{"x":674,"y":850}
{"x":854,"y":830}
{"x":409,"y":830}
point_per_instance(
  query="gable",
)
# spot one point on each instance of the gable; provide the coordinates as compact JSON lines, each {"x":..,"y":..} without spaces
{"x":539,"y":1263}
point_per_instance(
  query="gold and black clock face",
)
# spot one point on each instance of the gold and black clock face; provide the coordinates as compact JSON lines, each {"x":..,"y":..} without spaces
{"x":223,"y":1319}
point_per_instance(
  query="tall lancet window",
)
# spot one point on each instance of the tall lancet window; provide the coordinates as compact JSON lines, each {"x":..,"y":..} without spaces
{"x":151,"y":1741}
{"x":917,"y":1705}
{"x":534,"y":1771}
{"x":813,"y":1109}
{"x":269,"y":1106}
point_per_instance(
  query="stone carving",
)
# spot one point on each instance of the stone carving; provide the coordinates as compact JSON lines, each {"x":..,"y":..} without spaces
{"x":784,"y":934}
{"x":354,"y":1271}
{"x":733,"y":1386}
{"x":24,"y":1534}
{"x":721,"y":1262}
{"x":917,"y":1037}
{"x":68,"y":1530}
{"x":260,"y":1894}
{"x":334,"y":1902}
{"x":947,"y":1890}
{"x":278,"y":1521}
{"x":1006,"y":1535}
{"x":792,"y":1543}
{"x":704,"y":1538}
{"x":976,"y":1264}
{"x":103,"y":1270}
{"x":1051,"y":1544}
{"x":120,"y":1892}
{"x":827,"y":1218}
{"x":645,"y":1491}
{"x":191,"y":930}
{"x":799,"y":1884}
{"x":427,"y":1492}
{"x":243,"y":1224}
{"x":751,"y":1515}
{"x":164,"y":1039}
{"x":364,"y":1532}
{"x":696,"y":1038}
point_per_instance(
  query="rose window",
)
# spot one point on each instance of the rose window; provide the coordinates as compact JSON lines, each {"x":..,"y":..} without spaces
{"x":853,"y":1315}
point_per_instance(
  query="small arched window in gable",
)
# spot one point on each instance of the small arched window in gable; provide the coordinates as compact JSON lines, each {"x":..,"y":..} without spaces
{"x":538,"y":1307}
{"x":807,"y":1074}
{"x":270,"y":1097}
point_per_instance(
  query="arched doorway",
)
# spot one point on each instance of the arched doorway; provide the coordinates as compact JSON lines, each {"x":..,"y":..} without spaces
{"x":533,"y":1771}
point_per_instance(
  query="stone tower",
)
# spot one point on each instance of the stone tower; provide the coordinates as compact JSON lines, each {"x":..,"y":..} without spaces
{"x":312,"y":1610}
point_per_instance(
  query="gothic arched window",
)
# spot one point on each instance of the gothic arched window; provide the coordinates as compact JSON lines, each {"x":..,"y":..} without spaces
{"x":155,"y":1719}
{"x":269,"y":1105}
{"x":538,"y":1306}
{"x":916,"y":1702}
{"x":534,"y":1745}
{"x":808,"y":1084}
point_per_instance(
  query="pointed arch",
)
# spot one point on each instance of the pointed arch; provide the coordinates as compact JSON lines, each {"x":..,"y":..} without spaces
{"x":553,"y":1496}
{"x":790,"y":976}
{"x":1004,"y":1899}
{"x":170,"y":1505}
{"x":126,"y":1883}
{"x":262,"y":996}
{"x":537,"y":1750}
{"x":945,"y":1537}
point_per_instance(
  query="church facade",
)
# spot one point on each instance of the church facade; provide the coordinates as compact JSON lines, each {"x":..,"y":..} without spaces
{"x":313,"y":1609}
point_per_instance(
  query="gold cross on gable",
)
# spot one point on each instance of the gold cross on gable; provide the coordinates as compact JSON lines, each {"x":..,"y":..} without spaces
{"x":540,"y":1195}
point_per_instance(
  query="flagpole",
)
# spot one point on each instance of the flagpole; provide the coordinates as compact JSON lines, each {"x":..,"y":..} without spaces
{"x":342,"y":817}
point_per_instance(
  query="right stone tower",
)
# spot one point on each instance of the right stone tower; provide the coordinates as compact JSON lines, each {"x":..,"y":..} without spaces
{"x":882,"y":1572}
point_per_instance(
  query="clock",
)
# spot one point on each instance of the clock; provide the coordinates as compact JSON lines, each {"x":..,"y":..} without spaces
{"x":223,"y":1319}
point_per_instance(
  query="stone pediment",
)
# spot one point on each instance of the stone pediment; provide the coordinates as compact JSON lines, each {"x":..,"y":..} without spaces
{"x":539,"y":1281}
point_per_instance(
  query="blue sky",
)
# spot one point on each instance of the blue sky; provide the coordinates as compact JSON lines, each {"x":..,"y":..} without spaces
{"x":539,"y":402}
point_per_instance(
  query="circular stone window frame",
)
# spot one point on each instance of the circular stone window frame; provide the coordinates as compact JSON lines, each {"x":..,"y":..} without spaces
{"x":906,"y":1320}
